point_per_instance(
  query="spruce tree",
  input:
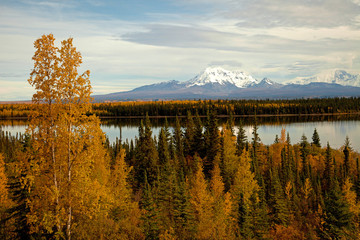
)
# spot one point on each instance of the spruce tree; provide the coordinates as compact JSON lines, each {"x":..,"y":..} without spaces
{"x":241,"y":139}
{"x":304,"y":152}
{"x":212,"y":142}
{"x":190,"y":145}
{"x":329,"y":169}
{"x":150,"y":218}
{"x":146,"y":154}
{"x":255,"y":147}
{"x":316,"y":139}
{"x":183,"y":214}
{"x":179,"y":143}
{"x":276,"y":139}
{"x":279,"y":209}
{"x":163,"y":148}
{"x":198,"y":137}
{"x":166,"y":188}
{"x":346,"y":152}
{"x":337,"y":219}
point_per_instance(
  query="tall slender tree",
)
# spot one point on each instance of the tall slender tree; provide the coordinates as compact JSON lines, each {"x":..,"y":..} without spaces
{"x":147,"y":157}
{"x":255,"y":147}
{"x":212,"y":142}
{"x":304,"y":152}
{"x":241,"y":139}
{"x":346,"y":151}
{"x":61,"y":133}
{"x":189,"y":144}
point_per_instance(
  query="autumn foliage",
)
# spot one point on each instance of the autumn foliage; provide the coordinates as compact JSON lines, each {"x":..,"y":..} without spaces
{"x":63,"y":179}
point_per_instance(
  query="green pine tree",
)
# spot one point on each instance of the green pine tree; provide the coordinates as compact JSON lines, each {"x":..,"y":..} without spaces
{"x":316,"y":139}
{"x":212,"y":142}
{"x":279,"y":213}
{"x":163,"y":148}
{"x":241,"y":139}
{"x":346,"y":152}
{"x":337,"y":219}
{"x":146,"y":154}
{"x":304,"y":152}
{"x":150,"y":225}
{"x":190,"y":145}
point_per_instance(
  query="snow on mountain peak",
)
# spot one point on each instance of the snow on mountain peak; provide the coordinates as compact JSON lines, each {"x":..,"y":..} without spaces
{"x":223,"y":77}
{"x":331,"y":76}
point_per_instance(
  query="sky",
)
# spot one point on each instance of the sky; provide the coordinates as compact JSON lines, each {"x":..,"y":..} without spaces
{"x":127,"y":44}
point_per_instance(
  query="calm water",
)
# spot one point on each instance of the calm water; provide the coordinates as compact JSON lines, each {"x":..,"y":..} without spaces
{"x":330,"y":129}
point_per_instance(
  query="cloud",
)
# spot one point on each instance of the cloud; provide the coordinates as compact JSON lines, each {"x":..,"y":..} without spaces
{"x":284,"y":13}
{"x":227,"y":63}
{"x":181,"y":36}
{"x":14,"y":90}
{"x":158,"y":42}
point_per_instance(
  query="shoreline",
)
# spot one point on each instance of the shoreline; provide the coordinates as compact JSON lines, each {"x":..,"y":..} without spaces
{"x":219,"y":116}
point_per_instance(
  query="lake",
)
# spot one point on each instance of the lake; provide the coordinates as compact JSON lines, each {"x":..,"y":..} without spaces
{"x":332,"y":129}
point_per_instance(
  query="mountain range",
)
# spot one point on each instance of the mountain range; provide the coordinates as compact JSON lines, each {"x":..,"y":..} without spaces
{"x":219,"y":83}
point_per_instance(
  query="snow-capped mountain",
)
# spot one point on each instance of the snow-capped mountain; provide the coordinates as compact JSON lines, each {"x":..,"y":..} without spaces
{"x":218,"y":75}
{"x":267,"y":83}
{"x":334,"y":76}
{"x":218,"y":83}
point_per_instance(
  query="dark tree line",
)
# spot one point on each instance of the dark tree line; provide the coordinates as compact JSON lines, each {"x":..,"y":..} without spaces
{"x":223,"y":107}
{"x":228,"y":107}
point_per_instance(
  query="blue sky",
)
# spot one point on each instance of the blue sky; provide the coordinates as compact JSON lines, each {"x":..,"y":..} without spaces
{"x":126,"y":44}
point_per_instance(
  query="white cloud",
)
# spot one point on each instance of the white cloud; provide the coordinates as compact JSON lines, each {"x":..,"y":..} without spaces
{"x":277,"y":39}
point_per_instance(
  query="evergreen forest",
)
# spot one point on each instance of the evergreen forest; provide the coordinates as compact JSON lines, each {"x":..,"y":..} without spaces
{"x":63,"y":179}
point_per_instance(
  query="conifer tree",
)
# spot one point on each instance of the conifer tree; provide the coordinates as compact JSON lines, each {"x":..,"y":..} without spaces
{"x":279,"y":209}
{"x":255,"y":147}
{"x":276,"y":139}
{"x":241,"y":139}
{"x":190,"y":145}
{"x":245,"y":198}
{"x":337,"y":219}
{"x":125,"y":212}
{"x":179,"y":143}
{"x":346,"y":152}
{"x":230,"y":160}
{"x":150,"y":225}
{"x":244,"y":182}
{"x":222,"y":207}
{"x":198,"y":136}
{"x":146,"y":154}
{"x":212,"y":142}
{"x":304,"y":152}
{"x":166,"y":194}
{"x":202,"y":204}
{"x":329,"y":169}
{"x":183,"y":212}
{"x":167,"y":130}
{"x":350,"y":197}
{"x":163,"y":148}
{"x":316,"y":139}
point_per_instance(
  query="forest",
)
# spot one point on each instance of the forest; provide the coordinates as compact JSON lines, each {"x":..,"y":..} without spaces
{"x":324,"y":106}
{"x":63,"y":179}
{"x":197,"y":182}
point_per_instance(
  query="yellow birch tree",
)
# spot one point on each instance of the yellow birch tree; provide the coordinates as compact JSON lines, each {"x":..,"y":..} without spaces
{"x":67,"y":145}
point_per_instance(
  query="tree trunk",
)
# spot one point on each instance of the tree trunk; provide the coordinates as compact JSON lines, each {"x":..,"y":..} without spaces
{"x":68,"y":227}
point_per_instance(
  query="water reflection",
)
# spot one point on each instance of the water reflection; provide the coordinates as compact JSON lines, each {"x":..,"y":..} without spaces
{"x":332,"y":129}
